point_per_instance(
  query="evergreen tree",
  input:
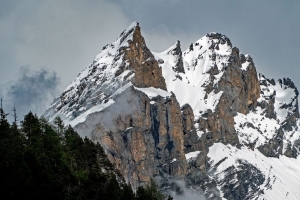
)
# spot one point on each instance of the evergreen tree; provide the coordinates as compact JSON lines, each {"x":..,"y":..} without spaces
{"x":13,"y":169}
{"x":2,"y":115}
{"x":59,"y":125}
{"x":150,"y":192}
{"x":141,"y":193}
{"x":127,"y":192}
{"x":113,"y":189}
{"x":4,"y":125}
{"x":30,"y":127}
{"x":15,"y":116}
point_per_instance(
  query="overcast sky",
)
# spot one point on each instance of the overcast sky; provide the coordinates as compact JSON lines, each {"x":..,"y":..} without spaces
{"x":48,"y":42}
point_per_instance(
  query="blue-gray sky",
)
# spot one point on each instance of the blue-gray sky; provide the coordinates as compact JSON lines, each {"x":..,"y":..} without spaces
{"x":63,"y":36}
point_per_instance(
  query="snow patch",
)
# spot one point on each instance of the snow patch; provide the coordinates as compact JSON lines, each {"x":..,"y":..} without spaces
{"x":153,"y":92}
{"x":191,"y":155}
{"x":81,"y":118}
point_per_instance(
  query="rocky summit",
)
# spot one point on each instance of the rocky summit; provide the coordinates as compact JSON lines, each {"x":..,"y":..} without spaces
{"x":200,"y":122}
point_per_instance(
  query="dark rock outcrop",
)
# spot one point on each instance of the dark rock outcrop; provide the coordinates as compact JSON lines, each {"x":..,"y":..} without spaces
{"x":178,"y":55}
{"x":242,"y":182}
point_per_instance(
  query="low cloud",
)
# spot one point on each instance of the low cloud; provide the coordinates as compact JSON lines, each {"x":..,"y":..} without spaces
{"x":32,"y":91}
{"x":187,"y":193}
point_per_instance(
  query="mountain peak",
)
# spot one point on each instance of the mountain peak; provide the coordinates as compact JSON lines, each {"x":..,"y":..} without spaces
{"x":125,"y":62}
{"x":170,"y":114}
{"x":175,"y":49}
{"x":129,"y":32}
{"x":219,"y":38}
{"x":140,"y":60}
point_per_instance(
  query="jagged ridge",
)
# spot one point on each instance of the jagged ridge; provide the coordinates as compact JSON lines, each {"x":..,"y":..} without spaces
{"x":166,"y":115}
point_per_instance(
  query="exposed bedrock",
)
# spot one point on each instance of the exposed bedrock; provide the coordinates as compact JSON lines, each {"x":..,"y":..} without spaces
{"x":140,"y":59}
{"x":143,"y":137}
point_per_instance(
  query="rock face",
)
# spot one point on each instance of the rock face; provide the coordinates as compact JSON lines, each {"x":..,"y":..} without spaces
{"x":142,"y":136}
{"x":240,"y":87}
{"x":202,"y":117}
{"x":177,"y":53}
{"x":141,"y":61}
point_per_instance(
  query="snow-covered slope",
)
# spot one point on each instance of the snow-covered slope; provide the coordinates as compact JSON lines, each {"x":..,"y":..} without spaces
{"x":190,"y":84}
{"x":274,"y":121}
{"x":263,"y":178}
{"x":96,"y":87}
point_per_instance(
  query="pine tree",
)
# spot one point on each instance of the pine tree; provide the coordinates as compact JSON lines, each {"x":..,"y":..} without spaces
{"x":15,"y":114}
{"x":15,"y":122}
{"x":150,"y":192}
{"x":113,"y":189}
{"x":127,"y":192}
{"x":13,"y":173}
{"x":31,"y":128}
{"x":2,"y":113}
{"x":4,"y":125}
{"x":141,"y":193}
{"x":59,"y":125}
{"x":153,"y":192}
